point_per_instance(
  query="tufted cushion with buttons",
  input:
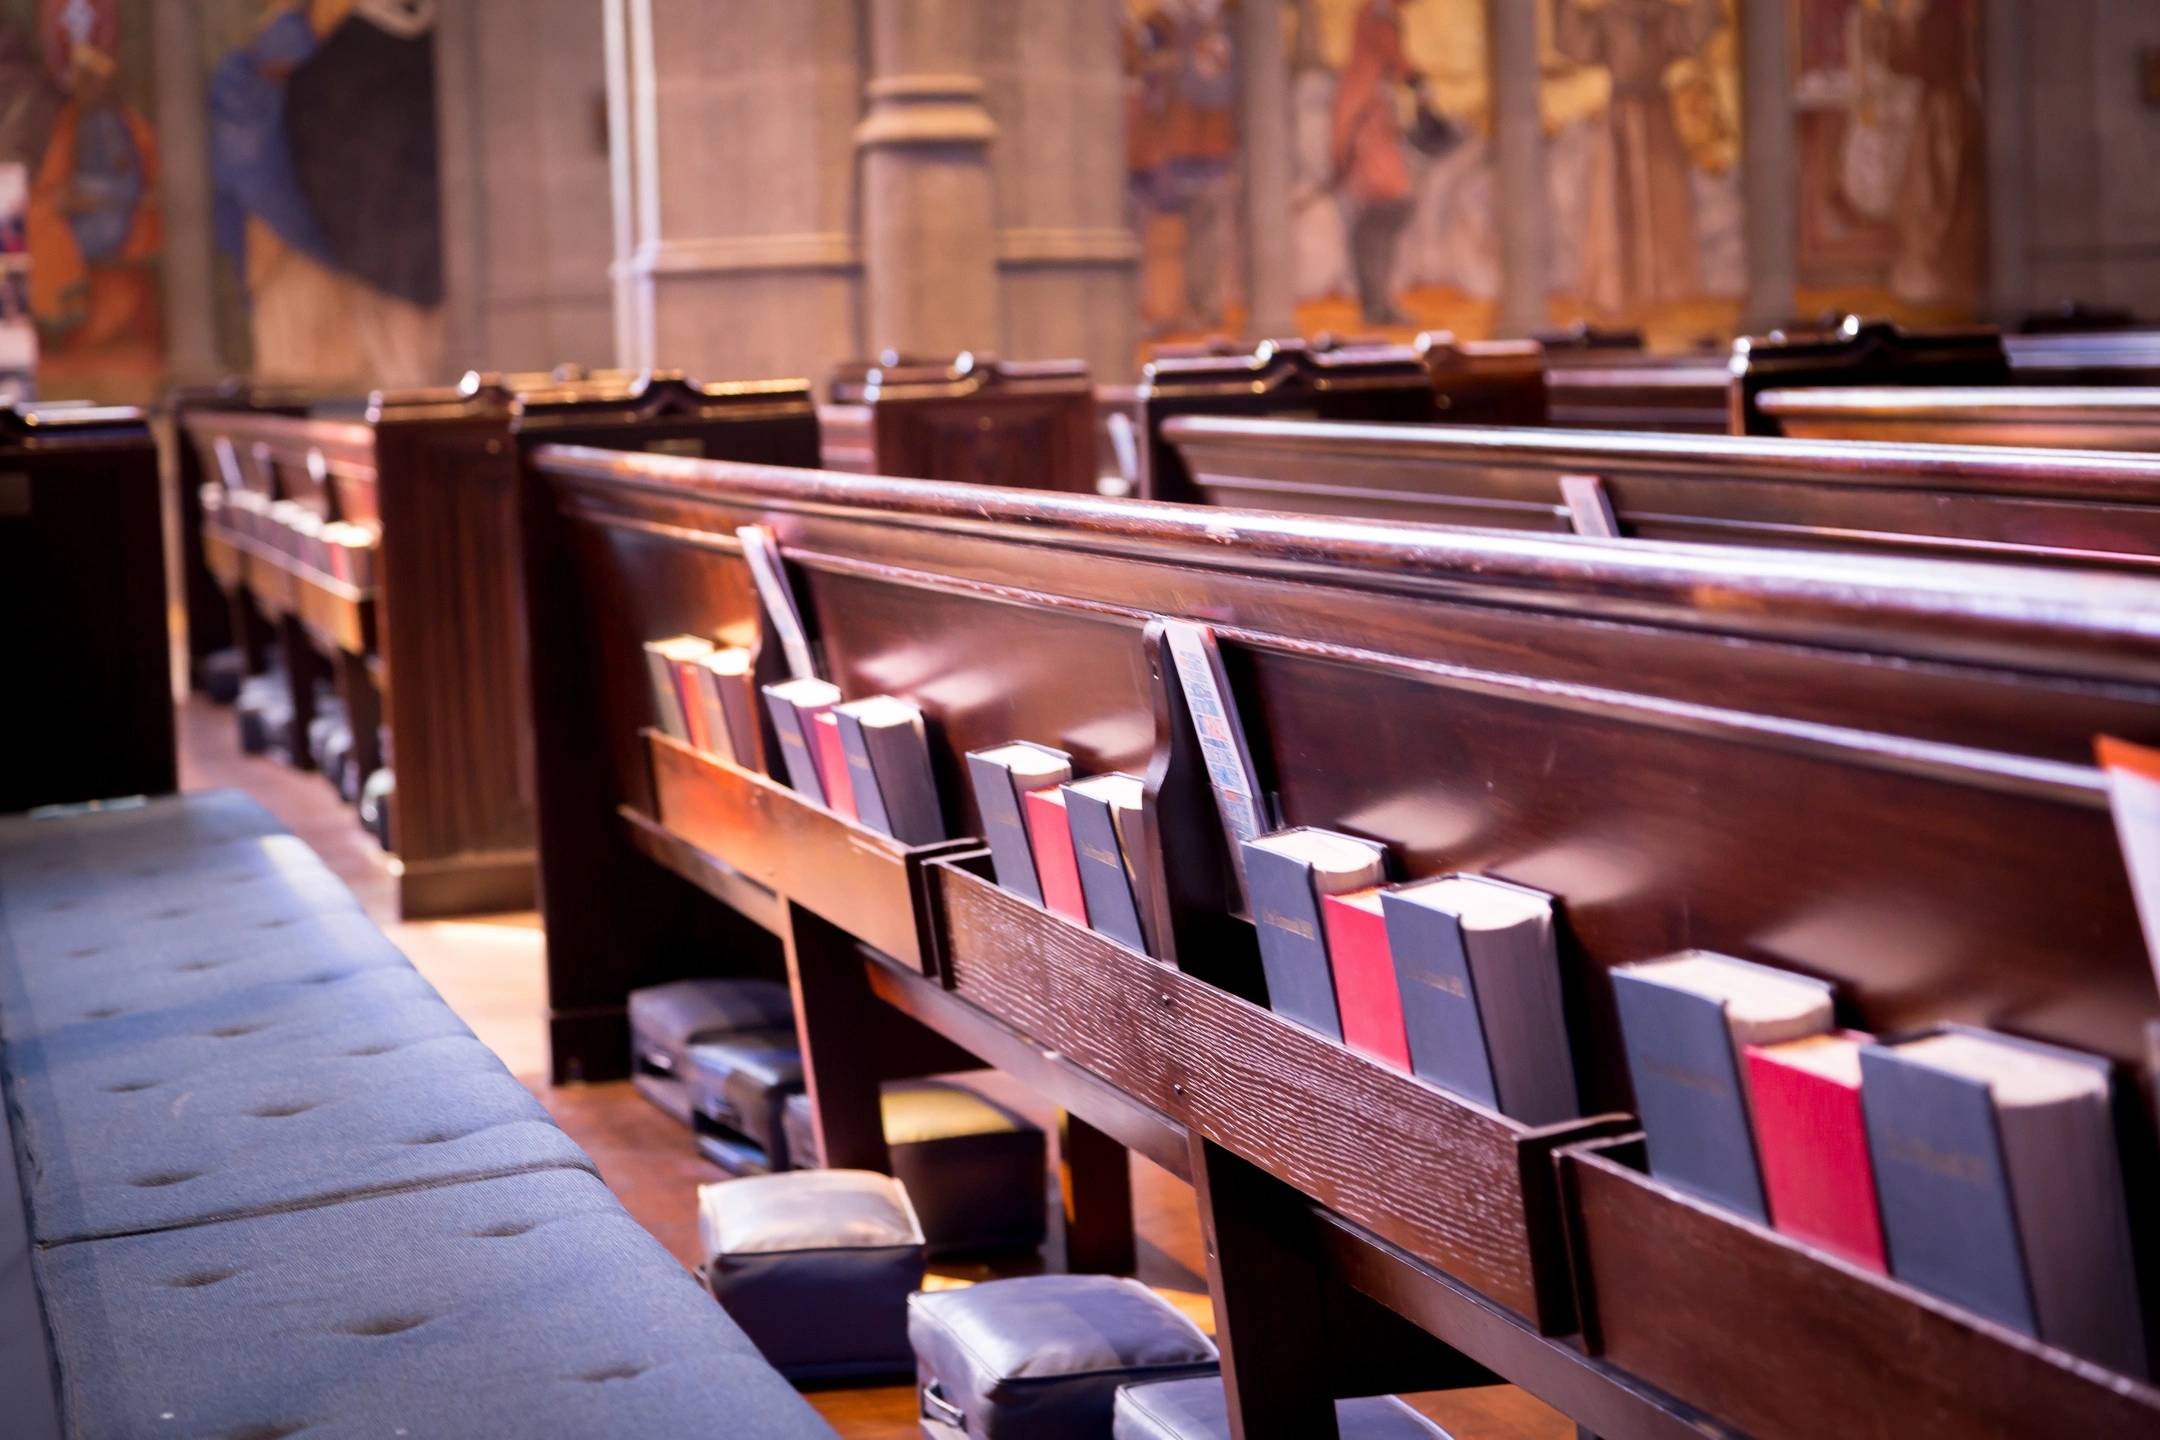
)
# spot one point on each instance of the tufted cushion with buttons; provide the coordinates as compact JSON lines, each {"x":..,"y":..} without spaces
{"x":265,"y":1097}
{"x":273,"y":1184}
{"x":529,"y":1307}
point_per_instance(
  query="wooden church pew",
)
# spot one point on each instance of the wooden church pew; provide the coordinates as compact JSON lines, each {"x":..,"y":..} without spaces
{"x":88,"y":674}
{"x":1433,"y":379}
{"x":972,"y":418}
{"x":2068,"y":508}
{"x":412,"y":612}
{"x":1873,"y":770}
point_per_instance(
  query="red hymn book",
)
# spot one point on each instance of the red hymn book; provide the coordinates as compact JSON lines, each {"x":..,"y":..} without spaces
{"x":1057,"y":869}
{"x":832,"y":765}
{"x":1366,"y":994}
{"x":1812,"y":1142}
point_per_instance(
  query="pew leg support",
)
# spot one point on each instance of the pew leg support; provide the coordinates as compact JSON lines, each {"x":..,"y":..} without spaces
{"x":302,"y":667}
{"x":1294,"y":1338}
{"x":363,"y":711}
{"x":837,"y":1019}
{"x":1095,"y":1185}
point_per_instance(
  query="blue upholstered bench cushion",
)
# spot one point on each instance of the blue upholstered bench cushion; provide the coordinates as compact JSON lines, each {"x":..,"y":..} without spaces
{"x":262,"y":1098}
{"x":530,"y":1307}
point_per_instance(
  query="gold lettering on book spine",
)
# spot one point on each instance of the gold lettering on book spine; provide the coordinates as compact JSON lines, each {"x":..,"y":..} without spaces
{"x":1950,"y":1164}
{"x":1301,"y":928}
{"x":1099,"y":855}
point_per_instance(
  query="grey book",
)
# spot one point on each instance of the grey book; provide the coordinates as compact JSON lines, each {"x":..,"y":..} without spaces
{"x":1684,"y":1021}
{"x":1000,"y":775}
{"x":1995,"y":1161}
{"x":888,"y":757}
{"x":1286,"y":873}
{"x":1103,"y":812}
{"x":1478,"y":964}
{"x":794,"y":705}
{"x":661,"y":659}
{"x":725,"y":674}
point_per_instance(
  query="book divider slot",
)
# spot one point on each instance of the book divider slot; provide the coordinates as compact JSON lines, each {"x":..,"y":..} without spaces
{"x":1463,"y":1189}
{"x":1466,"y":1190}
{"x":864,"y":882}
{"x":1775,"y":1339}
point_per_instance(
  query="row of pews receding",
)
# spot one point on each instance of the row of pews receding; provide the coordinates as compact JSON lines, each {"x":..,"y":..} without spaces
{"x":1813,"y":691}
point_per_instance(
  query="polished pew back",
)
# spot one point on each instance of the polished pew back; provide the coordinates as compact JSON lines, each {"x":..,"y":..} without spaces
{"x":1433,"y":379}
{"x":2060,"y":508}
{"x":1798,"y":757}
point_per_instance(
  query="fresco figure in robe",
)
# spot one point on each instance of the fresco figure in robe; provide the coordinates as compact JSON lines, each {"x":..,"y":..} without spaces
{"x":94,"y":228}
{"x":1370,"y":152}
{"x":1654,"y":248}
{"x":1181,"y":137}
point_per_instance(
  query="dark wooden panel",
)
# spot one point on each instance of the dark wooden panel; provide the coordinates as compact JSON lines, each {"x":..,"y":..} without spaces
{"x":82,"y":581}
{"x":972,"y":419}
{"x":1779,"y":1340}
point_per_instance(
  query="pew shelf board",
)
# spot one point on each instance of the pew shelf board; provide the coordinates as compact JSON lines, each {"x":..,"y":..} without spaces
{"x":1775,"y":1335}
{"x":851,"y":875}
{"x":1471,"y":1191}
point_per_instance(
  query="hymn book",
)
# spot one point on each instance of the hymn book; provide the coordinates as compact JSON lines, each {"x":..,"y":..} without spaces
{"x":729,"y":698}
{"x":1220,"y":735}
{"x":664,"y":660}
{"x":1811,"y":1138}
{"x":887,"y":752}
{"x":832,"y":766}
{"x":2001,"y":1187}
{"x":1000,"y":776}
{"x":768,"y":572}
{"x":1684,"y":1022}
{"x":1103,"y":813}
{"x":1287,"y":873}
{"x":1477,"y":962}
{"x":1049,"y":830}
{"x":1366,"y":996}
{"x":794,"y":706}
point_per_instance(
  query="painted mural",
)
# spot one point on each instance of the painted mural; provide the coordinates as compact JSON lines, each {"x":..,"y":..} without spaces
{"x":1891,"y":204}
{"x":1181,"y":162}
{"x":323,"y":172}
{"x":1641,"y":100}
{"x":74,"y":97}
{"x":1392,"y":209}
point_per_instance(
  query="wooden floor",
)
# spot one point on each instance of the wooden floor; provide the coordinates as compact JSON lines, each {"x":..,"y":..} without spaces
{"x":490,"y":969}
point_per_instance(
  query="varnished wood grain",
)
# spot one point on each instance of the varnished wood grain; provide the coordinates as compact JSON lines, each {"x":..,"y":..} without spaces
{"x":794,"y":847}
{"x":1302,"y":1108}
{"x":1755,"y":1326}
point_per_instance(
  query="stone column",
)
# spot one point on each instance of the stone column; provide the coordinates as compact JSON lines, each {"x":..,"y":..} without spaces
{"x":1521,"y":200}
{"x":929,"y":212}
{"x":1769,"y":179}
{"x":1067,"y":260}
{"x":183,"y":118}
{"x":1264,"y":135}
{"x":740,"y":182}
